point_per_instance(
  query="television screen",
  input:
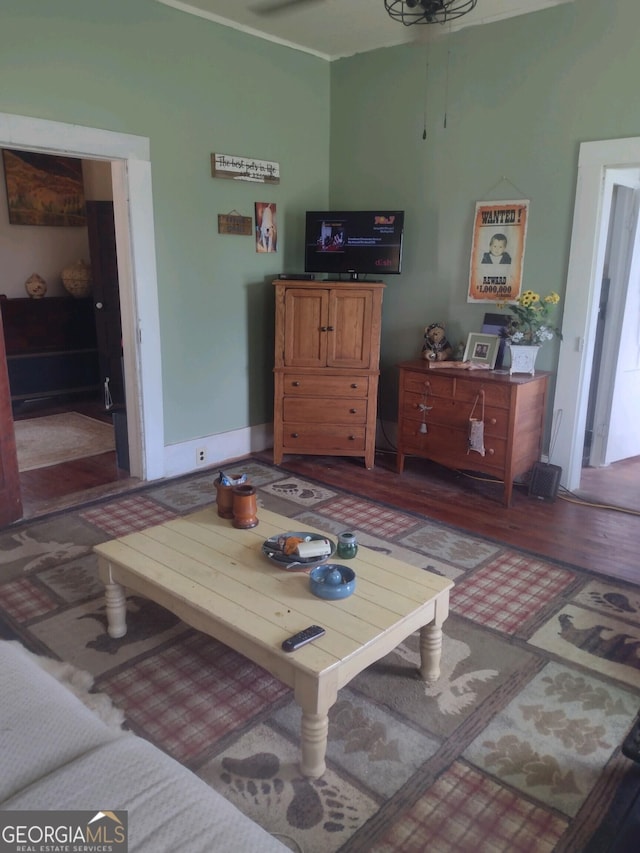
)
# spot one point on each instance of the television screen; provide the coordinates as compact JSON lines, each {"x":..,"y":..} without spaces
{"x":354,"y":242}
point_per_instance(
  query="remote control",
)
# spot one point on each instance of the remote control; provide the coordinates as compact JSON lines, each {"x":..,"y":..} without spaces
{"x":303,"y":637}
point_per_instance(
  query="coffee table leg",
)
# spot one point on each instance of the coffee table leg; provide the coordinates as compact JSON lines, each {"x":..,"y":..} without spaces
{"x":430,"y":651}
{"x":314,"y":698}
{"x":313,"y":742}
{"x":116,"y":602}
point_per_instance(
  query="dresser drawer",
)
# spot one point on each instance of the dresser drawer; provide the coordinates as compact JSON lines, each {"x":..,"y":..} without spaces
{"x":295,"y":384}
{"x":419,"y":382}
{"x":457,"y":388}
{"x":494,"y":394}
{"x":450,"y":446}
{"x":324,"y":410}
{"x":322,"y":438}
{"x":455,"y":413}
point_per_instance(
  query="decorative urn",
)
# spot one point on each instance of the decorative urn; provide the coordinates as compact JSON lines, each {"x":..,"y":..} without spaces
{"x":77,"y":279}
{"x":35,"y":286}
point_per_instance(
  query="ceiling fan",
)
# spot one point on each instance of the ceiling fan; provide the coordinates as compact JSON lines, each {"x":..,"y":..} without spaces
{"x":408,"y":12}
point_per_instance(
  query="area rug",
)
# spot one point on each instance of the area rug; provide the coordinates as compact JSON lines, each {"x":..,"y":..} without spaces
{"x":516,"y":748}
{"x":50,"y":440}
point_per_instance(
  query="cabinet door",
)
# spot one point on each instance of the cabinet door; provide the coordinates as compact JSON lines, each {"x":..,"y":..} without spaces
{"x":350,"y":328}
{"x":306,"y":315}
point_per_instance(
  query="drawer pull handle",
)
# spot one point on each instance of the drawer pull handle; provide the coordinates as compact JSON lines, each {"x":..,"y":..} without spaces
{"x":353,"y":411}
{"x":491,"y":451}
{"x":323,"y":328}
{"x":352,"y":438}
{"x":354,"y":384}
{"x":294,"y":435}
{"x":330,"y":328}
{"x":493,"y":421}
{"x":296,"y":384}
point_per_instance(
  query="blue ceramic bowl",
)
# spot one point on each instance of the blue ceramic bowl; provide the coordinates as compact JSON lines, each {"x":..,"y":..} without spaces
{"x":332,"y":581}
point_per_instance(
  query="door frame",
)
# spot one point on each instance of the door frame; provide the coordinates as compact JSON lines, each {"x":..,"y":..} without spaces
{"x":597,"y":163}
{"x":130,"y":160}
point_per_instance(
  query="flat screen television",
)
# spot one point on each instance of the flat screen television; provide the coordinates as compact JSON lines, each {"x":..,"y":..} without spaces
{"x":354,"y":242}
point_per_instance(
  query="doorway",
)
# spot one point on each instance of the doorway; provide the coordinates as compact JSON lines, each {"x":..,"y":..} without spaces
{"x":602,"y":166}
{"x":64,"y":356}
{"x":133,"y":212}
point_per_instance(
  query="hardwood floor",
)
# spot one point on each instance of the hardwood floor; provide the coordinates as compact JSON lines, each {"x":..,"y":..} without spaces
{"x":593,"y":537}
{"x":46,"y":490}
{"x":600,"y":540}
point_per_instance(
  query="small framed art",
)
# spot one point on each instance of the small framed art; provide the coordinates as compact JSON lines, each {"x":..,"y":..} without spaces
{"x":482,"y":349}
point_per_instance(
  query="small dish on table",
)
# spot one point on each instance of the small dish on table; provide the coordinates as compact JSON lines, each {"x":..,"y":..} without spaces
{"x":283,"y":550}
{"x":332,"y":581}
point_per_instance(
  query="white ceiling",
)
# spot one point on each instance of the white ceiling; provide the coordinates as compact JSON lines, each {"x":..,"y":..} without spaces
{"x":335,"y":28}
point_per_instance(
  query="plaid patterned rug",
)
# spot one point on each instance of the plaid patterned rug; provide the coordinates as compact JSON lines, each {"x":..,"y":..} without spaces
{"x":516,"y":748}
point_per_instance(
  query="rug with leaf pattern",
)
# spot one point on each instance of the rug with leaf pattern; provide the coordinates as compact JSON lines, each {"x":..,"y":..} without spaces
{"x":515,"y":748}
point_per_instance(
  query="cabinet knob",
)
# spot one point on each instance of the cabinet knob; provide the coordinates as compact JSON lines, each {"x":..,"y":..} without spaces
{"x":352,"y":438}
{"x":294,"y":435}
{"x":323,"y":328}
{"x":296,"y":384}
{"x":493,"y":421}
{"x":354,"y":384}
{"x":330,"y":328}
{"x":490,"y":451}
{"x":99,"y":306}
{"x":353,"y":411}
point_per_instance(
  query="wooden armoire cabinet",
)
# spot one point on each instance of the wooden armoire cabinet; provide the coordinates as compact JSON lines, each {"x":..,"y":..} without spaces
{"x":327,"y":354}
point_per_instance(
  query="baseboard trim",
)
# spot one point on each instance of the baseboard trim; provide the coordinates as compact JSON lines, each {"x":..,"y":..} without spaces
{"x":219,"y":449}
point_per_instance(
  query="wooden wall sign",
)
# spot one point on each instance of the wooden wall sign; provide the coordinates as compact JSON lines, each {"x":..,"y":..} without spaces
{"x":234,"y":223}
{"x":245,"y":169}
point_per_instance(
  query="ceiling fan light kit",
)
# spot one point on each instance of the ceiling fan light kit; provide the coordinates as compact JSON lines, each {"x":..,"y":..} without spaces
{"x":428,"y":11}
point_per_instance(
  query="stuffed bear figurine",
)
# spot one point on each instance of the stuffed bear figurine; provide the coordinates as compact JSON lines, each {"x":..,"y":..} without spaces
{"x":436,"y":346}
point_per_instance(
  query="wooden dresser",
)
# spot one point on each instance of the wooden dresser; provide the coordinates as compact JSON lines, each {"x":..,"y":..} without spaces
{"x":51,"y":347}
{"x":327,"y":353}
{"x":434,"y":411}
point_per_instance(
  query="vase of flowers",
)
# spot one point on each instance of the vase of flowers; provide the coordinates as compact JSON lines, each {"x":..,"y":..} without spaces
{"x":528,"y":328}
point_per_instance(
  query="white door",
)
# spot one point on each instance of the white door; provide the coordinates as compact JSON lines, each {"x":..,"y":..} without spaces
{"x":617,"y":413}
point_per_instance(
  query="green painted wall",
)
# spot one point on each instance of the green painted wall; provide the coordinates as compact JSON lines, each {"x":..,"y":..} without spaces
{"x":522,"y":95}
{"x":193,"y":87}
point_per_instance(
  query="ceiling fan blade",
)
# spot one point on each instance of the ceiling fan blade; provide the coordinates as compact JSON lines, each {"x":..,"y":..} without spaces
{"x":275,"y":6}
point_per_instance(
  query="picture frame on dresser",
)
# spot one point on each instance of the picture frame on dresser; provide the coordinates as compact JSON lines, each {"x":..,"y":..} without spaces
{"x":482,"y":349}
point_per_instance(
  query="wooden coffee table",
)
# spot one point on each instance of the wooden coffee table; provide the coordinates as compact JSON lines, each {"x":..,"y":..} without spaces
{"x":216,"y":578}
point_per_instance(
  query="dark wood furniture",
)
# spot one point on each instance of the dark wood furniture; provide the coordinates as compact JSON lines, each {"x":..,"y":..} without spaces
{"x":327,"y":353}
{"x":51,"y":347}
{"x":434,"y":411}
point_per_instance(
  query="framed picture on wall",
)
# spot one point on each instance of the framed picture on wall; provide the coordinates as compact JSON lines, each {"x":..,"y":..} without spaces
{"x":497,"y":250}
{"x":266,"y":227}
{"x":43,"y":189}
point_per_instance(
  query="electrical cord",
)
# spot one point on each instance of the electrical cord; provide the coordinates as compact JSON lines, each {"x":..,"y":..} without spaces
{"x":576,"y":499}
{"x":563,"y":494}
